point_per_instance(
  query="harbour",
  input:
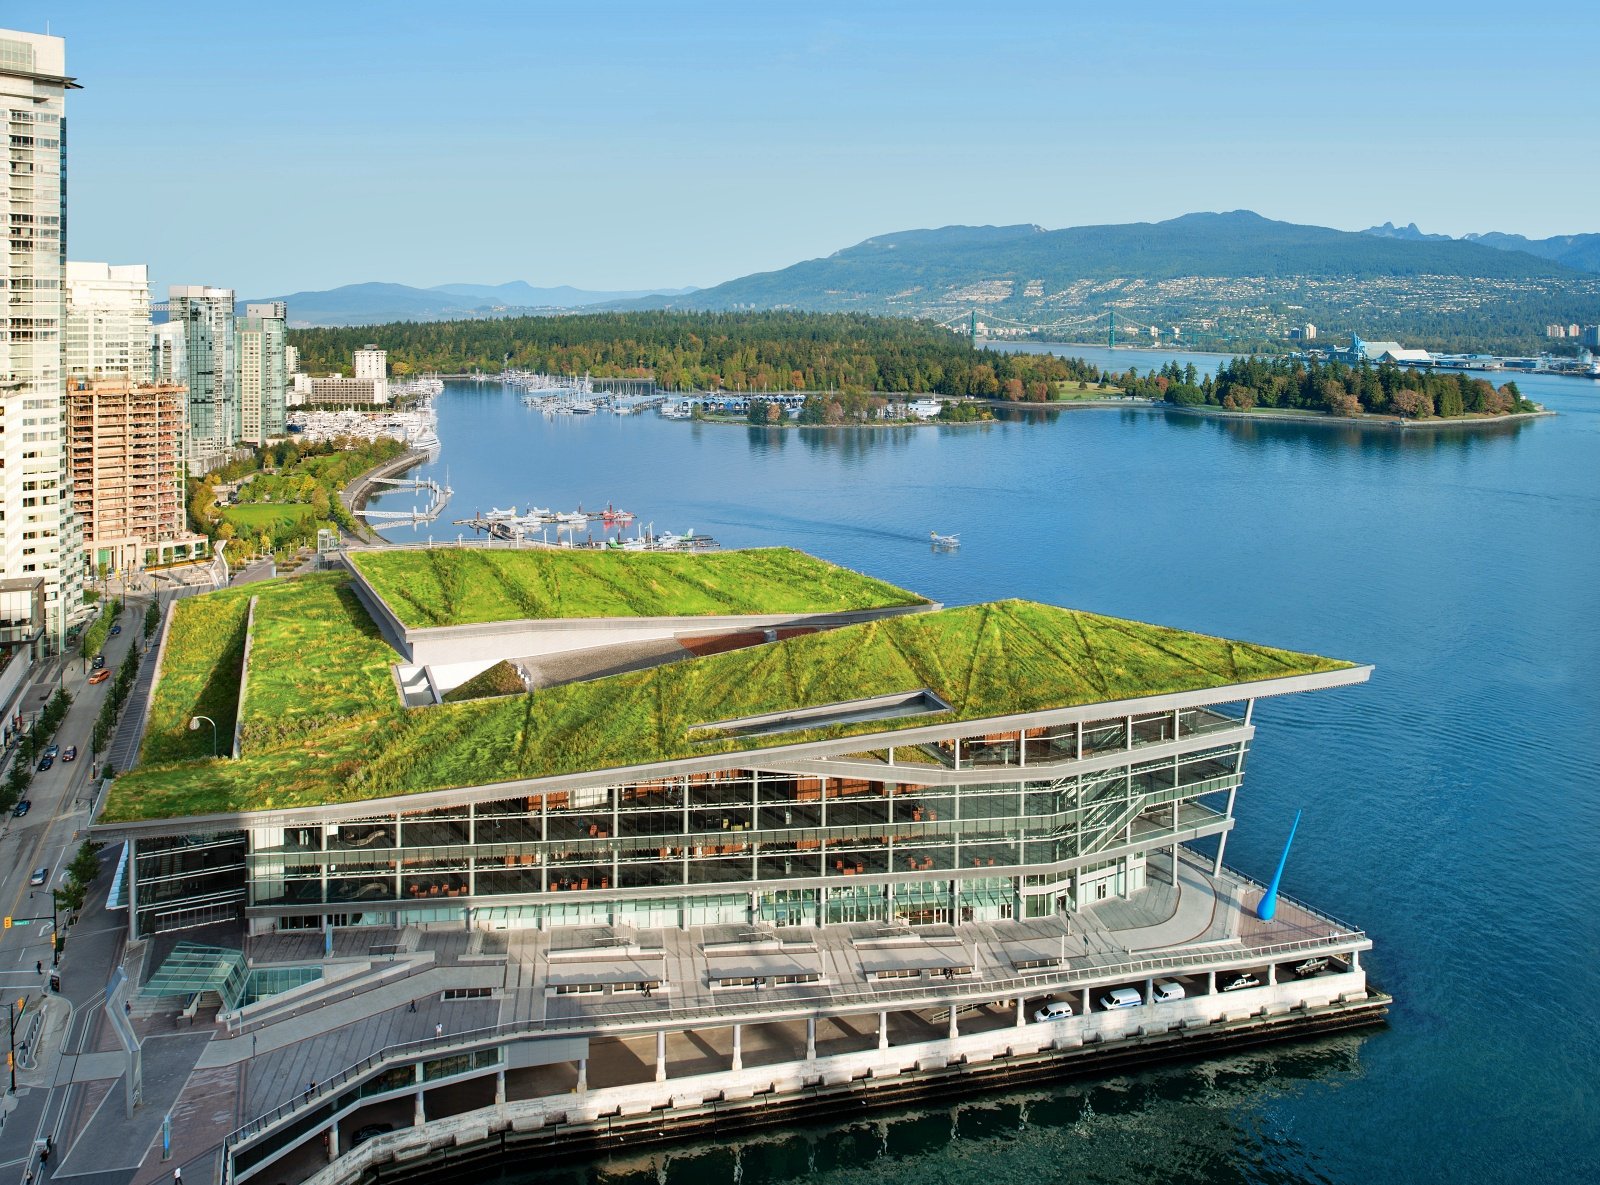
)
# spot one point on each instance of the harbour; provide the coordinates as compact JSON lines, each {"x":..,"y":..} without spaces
{"x":1514,"y":496}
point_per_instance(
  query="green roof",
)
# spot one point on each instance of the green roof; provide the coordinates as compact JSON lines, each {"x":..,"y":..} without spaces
{"x":444,"y":586}
{"x":333,"y":730}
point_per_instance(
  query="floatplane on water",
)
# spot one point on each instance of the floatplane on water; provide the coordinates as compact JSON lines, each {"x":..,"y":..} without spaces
{"x":944,"y":540}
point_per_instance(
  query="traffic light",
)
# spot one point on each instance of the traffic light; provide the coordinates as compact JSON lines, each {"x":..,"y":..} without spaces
{"x":8,"y":923}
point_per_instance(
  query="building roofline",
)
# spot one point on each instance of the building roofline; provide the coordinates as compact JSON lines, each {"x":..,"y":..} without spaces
{"x":765,"y":757}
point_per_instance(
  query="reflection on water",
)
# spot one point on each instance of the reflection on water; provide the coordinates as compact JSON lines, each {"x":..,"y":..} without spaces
{"x":1213,"y":1122}
{"x":1448,"y":803}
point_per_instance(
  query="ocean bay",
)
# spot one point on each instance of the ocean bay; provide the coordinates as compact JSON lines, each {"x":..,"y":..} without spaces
{"x":1449,"y":804}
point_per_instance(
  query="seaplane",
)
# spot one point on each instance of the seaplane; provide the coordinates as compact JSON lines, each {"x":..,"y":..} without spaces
{"x":939,"y":540}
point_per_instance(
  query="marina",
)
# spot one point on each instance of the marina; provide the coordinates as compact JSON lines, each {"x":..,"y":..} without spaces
{"x":756,"y":488}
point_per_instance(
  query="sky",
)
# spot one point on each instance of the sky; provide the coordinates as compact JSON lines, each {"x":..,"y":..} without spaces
{"x":293,"y":146}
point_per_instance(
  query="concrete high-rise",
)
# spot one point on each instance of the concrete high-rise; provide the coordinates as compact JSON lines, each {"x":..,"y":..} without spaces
{"x":127,"y":467}
{"x":206,"y":315}
{"x":263,"y":372}
{"x":169,"y":354}
{"x":107,"y":328}
{"x":41,"y":560}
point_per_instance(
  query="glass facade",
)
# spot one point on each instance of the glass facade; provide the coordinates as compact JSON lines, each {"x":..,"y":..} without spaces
{"x":981,"y":826}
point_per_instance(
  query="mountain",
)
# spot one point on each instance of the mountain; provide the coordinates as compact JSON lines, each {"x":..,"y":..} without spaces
{"x":1581,"y":252}
{"x":377,"y":303}
{"x":521,"y":293}
{"x":1227,"y":278}
{"x":1390,"y":231}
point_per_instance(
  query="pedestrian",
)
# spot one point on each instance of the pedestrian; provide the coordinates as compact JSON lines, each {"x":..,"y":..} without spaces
{"x":411,"y":1007}
{"x":438,"y":1030}
{"x":38,"y":967}
{"x":177,"y":1176}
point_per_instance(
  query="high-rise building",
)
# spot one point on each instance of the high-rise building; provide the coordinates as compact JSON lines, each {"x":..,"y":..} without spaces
{"x":263,"y":372}
{"x":40,"y":557}
{"x":291,"y":360}
{"x":169,"y":356}
{"x":373,"y":364}
{"x":127,"y":441}
{"x":206,"y":315}
{"x":107,"y":328}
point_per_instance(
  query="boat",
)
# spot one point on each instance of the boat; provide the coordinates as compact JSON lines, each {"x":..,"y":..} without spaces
{"x":944,"y":540}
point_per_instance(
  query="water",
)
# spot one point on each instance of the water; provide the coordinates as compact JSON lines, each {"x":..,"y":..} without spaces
{"x":1452,"y":805}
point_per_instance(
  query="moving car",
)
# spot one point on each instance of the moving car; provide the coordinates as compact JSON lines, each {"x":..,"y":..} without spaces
{"x":115,"y":630}
{"x":99,"y":676}
{"x":1121,"y":998}
{"x":21,"y":809}
{"x":1054,"y":1010}
{"x":40,"y":875}
{"x":53,"y":751}
{"x":1167,"y":989}
{"x":1241,"y":981}
{"x":71,"y":754}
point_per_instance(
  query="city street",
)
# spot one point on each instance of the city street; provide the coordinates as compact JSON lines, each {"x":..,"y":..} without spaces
{"x":49,"y":836}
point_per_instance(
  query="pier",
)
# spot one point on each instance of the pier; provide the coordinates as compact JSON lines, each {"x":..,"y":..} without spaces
{"x":438,"y":498}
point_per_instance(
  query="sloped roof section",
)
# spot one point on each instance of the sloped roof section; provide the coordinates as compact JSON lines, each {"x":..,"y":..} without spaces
{"x":447,"y":586}
{"x":332,"y":730}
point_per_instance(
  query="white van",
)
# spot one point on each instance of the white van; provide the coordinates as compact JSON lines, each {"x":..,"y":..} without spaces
{"x":1121,"y":998}
{"x":1054,"y":1010}
{"x":1167,"y":989}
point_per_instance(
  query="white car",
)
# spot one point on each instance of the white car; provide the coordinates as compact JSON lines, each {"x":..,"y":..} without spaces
{"x":1121,"y":998}
{"x":1054,"y":1010}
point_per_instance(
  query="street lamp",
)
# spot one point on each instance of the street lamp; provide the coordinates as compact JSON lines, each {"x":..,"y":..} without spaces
{"x":194,"y":726}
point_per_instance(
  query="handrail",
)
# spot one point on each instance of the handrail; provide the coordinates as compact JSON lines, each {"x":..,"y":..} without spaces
{"x":1065,"y":978}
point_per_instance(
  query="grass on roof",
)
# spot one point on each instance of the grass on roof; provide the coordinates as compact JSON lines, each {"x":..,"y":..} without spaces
{"x":199,"y":677}
{"x":500,"y":679}
{"x":463,"y":586}
{"x":324,"y":723}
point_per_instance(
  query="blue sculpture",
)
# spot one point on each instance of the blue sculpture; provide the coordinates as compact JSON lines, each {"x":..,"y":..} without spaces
{"x":1269,"y":900}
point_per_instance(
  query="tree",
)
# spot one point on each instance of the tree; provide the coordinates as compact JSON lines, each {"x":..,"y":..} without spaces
{"x":1411,"y":404}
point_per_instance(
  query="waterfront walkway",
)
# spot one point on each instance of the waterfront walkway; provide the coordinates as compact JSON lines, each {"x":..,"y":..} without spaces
{"x":718,"y":996}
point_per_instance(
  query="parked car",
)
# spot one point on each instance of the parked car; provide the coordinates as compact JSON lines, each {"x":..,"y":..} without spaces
{"x":40,"y":875}
{"x":1121,"y":998}
{"x":115,"y":630}
{"x":53,"y":751}
{"x":45,"y":763}
{"x":100,"y":676}
{"x":1311,"y":967}
{"x":371,"y":1131}
{"x":1167,"y":989}
{"x":99,"y":661}
{"x":1241,"y":981}
{"x":71,"y":754}
{"x":1054,"y":1010}
{"x":21,"y":809}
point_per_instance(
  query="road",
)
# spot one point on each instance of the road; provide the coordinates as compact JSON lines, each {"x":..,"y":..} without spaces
{"x":49,"y":835}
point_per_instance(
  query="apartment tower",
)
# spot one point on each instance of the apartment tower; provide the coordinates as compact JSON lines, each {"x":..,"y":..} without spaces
{"x":263,"y":372}
{"x":206,"y":315}
{"x":107,"y":321}
{"x":40,"y":559}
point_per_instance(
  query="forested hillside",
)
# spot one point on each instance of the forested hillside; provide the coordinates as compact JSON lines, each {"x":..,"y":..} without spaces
{"x":733,"y":351}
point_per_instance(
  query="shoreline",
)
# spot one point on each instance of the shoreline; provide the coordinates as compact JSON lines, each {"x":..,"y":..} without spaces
{"x":1390,"y":422}
{"x":359,"y":489}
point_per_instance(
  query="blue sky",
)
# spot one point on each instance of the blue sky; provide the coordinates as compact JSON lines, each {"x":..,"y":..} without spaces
{"x":285,"y":146}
